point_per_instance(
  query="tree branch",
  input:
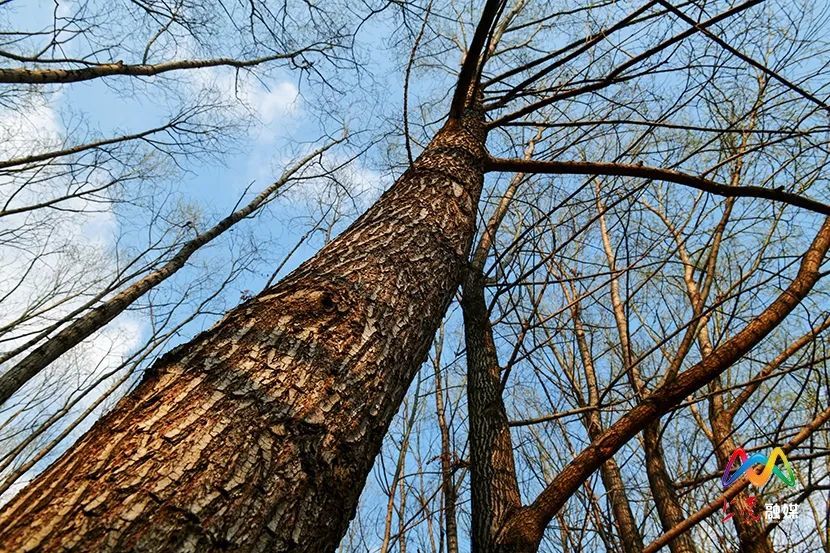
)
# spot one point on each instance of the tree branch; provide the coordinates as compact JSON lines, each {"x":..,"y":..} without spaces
{"x":713,"y":506}
{"x":83,"y":327}
{"x":528,"y":524}
{"x":49,"y":76}
{"x":469,"y":69}
{"x":655,"y":173}
{"x":734,"y":51}
{"x":615,"y":75}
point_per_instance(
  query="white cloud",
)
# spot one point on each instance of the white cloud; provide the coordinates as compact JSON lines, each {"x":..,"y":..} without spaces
{"x":270,"y":101}
{"x":80,"y":232}
{"x":280,"y":101}
{"x":33,"y":126}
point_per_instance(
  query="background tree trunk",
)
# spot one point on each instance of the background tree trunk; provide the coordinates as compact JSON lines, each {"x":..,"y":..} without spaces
{"x":448,"y":484}
{"x":662,"y":488}
{"x":259,"y":434}
{"x":630,"y":537}
{"x":493,"y":488}
{"x":752,"y":535}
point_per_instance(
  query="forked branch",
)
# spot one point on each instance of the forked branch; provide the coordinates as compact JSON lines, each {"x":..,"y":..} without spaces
{"x":469,"y":69}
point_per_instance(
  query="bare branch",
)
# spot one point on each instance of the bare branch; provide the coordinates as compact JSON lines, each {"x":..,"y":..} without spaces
{"x":655,"y":173}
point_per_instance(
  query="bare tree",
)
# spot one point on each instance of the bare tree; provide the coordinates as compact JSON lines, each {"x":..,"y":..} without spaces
{"x":260,"y":432}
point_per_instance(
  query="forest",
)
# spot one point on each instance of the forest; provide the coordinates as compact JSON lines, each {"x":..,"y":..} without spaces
{"x":437,"y":276}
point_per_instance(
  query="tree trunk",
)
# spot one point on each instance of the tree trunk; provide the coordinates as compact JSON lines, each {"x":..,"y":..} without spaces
{"x":529,"y":522}
{"x":447,"y":479}
{"x":662,"y":488}
{"x":609,"y":471}
{"x":494,"y":489}
{"x":751,"y":535}
{"x":258,"y":435}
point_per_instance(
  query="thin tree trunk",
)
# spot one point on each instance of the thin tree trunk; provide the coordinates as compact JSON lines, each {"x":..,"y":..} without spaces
{"x":259,"y":433}
{"x":819,"y":421}
{"x":447,"y":480}
{"x":630,"y":538}
{"x":668,"y":506}
{"x":402,"y":519}
{"x":399,"y":470}
{"x":527,"y":525}
{"x":751,"y":535}
{"x":609,"y":471}
{"x":494,"y":489}
{"x":662,"y":489}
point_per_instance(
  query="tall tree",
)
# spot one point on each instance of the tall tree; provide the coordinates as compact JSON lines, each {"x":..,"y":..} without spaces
{"x":297,"y":385}
{"x":260,"y":432}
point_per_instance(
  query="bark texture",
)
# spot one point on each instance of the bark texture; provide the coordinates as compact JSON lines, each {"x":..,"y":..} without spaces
{"x":258,"y":435}
{"x":494,"y":490}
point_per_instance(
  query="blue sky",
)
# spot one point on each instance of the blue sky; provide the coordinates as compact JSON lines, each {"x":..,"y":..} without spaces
{"x":272,"y":126}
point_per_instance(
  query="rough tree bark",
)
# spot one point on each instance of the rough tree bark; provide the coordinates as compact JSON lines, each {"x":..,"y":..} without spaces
{"x":259,"y":433}
{"x":494,"y":489}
